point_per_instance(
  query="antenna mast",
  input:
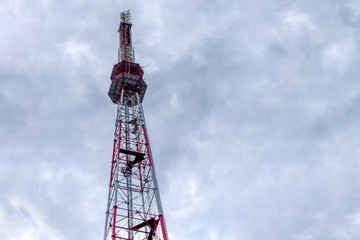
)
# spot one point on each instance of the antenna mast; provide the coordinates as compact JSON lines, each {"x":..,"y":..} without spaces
{"x":134,"y":210}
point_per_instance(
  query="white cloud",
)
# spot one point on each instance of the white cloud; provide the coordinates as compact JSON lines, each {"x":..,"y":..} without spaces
{"x":174,"y":100}
{"x":26,"y":234}
{"x":78,"y":52}
{"x":298,"y":22}
{"x":213,"y":235}
{"x":340,"y":55}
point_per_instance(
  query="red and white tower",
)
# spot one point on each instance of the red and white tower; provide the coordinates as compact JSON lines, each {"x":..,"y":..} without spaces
{"x":134,"y":210}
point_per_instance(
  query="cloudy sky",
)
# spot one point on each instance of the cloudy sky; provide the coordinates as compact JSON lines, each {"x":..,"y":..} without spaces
{"x":252,"y":108}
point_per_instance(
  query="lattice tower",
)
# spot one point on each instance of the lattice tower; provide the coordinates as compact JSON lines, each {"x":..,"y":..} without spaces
{"x":134,"y":210}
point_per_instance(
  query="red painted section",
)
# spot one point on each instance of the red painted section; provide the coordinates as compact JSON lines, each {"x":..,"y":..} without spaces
{"x":128,"y":68}
{"x":141,"y":184}
{"x":113,"y":236}
{"x":147,"y":144}
{"x":125,"y":33}
{"x":163,"y":226}
{"x":137,"y":150}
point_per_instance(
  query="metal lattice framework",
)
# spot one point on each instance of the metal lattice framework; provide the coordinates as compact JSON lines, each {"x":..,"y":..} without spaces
{"x":125,"y":44}
{"x":134,"y":210}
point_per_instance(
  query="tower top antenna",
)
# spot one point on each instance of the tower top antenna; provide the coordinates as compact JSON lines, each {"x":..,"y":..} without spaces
{"x":126,"y":51}
{"x":125,"y":16}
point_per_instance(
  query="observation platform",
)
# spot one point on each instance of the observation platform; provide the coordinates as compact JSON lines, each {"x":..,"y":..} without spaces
{"x":127,"y":75}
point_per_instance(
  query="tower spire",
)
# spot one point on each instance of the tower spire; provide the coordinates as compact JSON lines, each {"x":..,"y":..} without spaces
{"x":125,"y":45}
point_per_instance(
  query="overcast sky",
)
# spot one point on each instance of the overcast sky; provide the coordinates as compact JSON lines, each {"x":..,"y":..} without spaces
{"x":252,"y":108}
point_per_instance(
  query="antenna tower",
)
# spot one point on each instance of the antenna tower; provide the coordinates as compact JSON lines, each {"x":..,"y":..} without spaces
{"x":134,"y":210}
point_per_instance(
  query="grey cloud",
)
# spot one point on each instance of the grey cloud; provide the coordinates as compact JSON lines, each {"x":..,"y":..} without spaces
{"x":251,"y":107}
